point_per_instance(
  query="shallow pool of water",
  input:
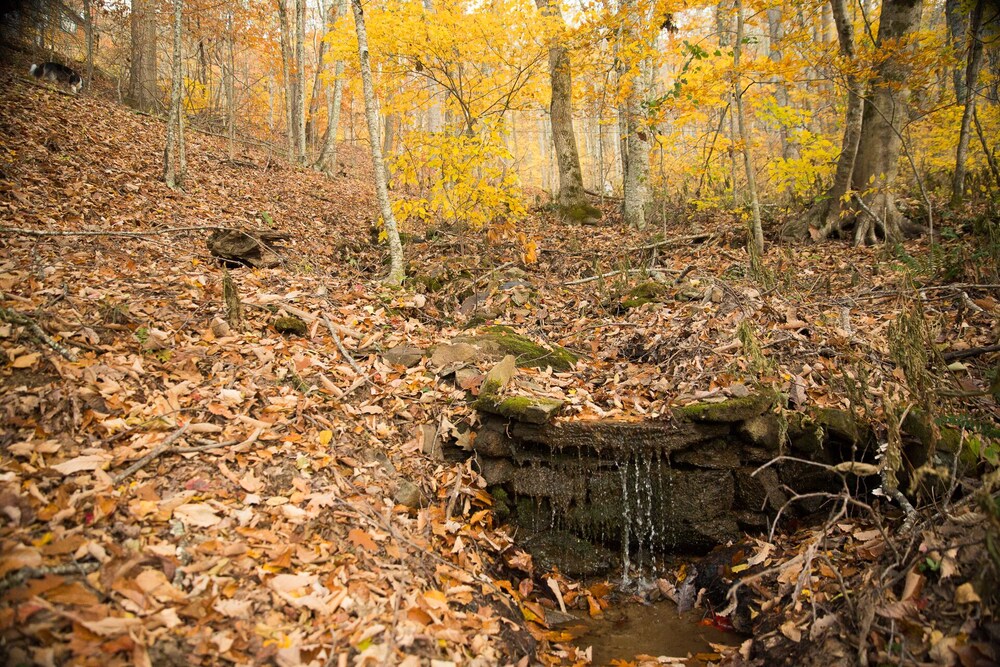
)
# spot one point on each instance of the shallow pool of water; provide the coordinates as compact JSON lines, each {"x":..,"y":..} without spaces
{"x":631,"y":630}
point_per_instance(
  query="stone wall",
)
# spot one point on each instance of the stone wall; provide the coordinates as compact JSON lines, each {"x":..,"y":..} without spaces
{"x":684,"y":483}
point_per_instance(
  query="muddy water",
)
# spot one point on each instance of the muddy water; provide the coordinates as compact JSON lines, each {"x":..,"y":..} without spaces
{"x":627,"y":631}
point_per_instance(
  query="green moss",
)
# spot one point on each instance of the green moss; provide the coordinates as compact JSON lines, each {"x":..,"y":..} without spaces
{"x":643,"y":293}
{"x":529,"y":354}
{"x":290,"y":325}
{"x":527,"y":409}
{"x":731,"y":410}
{"x":581,"y":212}
{"x":501,"y":503}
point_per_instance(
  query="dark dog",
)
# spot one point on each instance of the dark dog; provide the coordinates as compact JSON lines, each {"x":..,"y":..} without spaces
{"x":57,"y":73}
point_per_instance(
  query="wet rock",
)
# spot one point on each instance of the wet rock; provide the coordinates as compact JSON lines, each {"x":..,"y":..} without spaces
{"x":611,"y":436}
{"x":717,"y":454}
{"x":492,"y":441}
{"x":290,"y":326}
{"x":759,"y":492}
{"x":573,"y":556}
{"x":763,"y":431}
{"x":403,"y":355}
{"x":497,"y":471}
{"x":543,"y":482}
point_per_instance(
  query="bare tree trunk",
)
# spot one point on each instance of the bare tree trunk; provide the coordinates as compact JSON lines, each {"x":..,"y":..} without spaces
{"x":396,"y":271}
{"x":316,"y":85}
{"x":228,"y":78}
{"x":571,"y":198}
{"x":825,"y":215}
{"x":636,"y":138}
{"x":776,"y":32}
{"x":876,"y":164}
{"x":755,"y":239}
{"x":300,"y":71}
{"x":142,"y":93}
{"x":975,"y":61}
{"x":89,"y":18}
{"x":172,"y":174}
{"x":327,"y":160}
{"x":956,"y":17}
{"x":287,"y":68}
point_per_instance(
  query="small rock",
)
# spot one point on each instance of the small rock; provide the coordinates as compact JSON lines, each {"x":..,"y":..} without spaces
{"x":497,"y":471}
{"x":498,"y":376}
{"x":220,"y":328}
{"x":573,"y":556}
{"x":290,"y":325}
{"x":446,"y":356}
{"x":403,"y":355}
{"x":409,"y":495}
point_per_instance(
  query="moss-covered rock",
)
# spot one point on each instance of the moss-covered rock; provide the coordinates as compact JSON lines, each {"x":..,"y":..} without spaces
{"x":499,"y":341}
{"x":731,"y":410}
{"x":528,"y":409}
{"x":567,"y":552}
{"x":643,"y":293}
{"x":289,"y":325}
{"x":584,"y":213}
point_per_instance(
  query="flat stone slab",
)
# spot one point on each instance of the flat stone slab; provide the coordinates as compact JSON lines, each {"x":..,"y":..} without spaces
{"x":609,"y":435}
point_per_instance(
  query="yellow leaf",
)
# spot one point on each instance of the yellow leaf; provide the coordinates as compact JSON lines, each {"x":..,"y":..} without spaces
{"x":325,"y":437}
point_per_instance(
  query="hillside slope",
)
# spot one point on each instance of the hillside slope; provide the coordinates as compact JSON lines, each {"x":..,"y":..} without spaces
{"x":177,"y":490}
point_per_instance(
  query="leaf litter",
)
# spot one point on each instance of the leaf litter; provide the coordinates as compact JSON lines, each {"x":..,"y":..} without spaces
{"x":266,"y":527}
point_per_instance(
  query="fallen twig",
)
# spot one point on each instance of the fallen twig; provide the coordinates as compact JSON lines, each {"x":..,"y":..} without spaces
{"x":343,"y":351}
{"x":17,"y":578}
{"x":155,"y":232}
{"x":609,"y":274}
{"x":15,"y":317}
{"x":680,"y":240}
{"x":971,"y":352}
{"x":156,"y":453}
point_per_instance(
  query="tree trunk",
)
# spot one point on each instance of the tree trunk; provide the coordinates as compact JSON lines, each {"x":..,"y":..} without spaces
{"x":230,"y":76}
{"x":396,"y":271}
{"x":172,"y":164}
{"x":89,"y":18}
{"x":300,"y":70}
{"x":975,"y":61}
{"x":327,"y":160}
{"x":956,"y":17}
{"x":142,"y":93}
{"x":824,"y":218}
{"x":876,"y":164}
{"x":284,"y":31}
{"x":755,"y":238}
{"x":636,"y":131}
{"x":789,"y":150}
{"x":317,"y":82}
{"x":571,"y":198}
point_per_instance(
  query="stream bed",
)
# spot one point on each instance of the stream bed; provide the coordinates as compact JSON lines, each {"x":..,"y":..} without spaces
{"x":629,"y":630}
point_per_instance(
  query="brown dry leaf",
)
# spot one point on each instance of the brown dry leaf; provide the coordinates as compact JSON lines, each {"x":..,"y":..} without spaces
{"x":791,"y":631}
{"x":82,"y":464}
{"x":199,"y":515}
{"x":363,"y":540}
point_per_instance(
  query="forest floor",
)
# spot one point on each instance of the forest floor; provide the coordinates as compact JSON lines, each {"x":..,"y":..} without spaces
{"x":289,"y":515}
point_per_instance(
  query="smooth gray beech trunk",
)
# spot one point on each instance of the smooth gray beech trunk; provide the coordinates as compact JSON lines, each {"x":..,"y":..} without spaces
{"x":396,"y":271}
{"x":776,"y":32}
{"x":884,"y":116}
{"x":957,"y":17}
{"x":173,"y":162}
{"x":327,"y":160}
{"x":571,"y":192}
{"x":975,"y":61}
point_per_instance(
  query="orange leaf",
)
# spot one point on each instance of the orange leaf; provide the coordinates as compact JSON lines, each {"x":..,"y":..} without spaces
{"x":362,"y":539}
